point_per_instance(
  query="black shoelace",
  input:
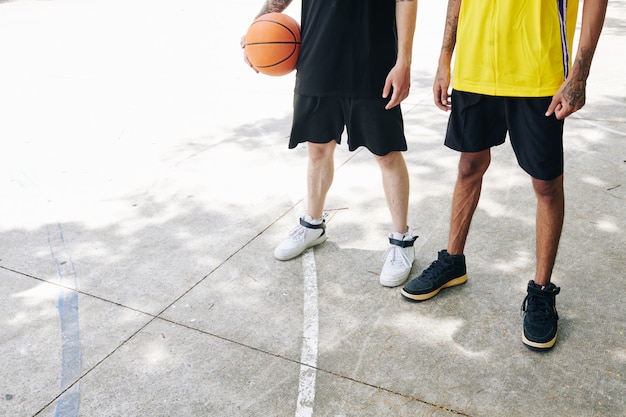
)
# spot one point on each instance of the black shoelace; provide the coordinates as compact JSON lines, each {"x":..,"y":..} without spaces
{"x":540,"y":308}
{"x":434,"y":270}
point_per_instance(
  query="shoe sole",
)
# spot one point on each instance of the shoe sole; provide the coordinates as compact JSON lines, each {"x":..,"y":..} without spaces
{"x":394,"y":282}
{"x":422,"y":297}
{"x":538,"y":346}
{"x":315,"y":242}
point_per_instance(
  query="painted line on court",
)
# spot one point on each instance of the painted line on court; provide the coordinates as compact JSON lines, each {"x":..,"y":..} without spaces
{"x":308,"y":358}
{"x":71,"y":356}
{"x":599,"y":125}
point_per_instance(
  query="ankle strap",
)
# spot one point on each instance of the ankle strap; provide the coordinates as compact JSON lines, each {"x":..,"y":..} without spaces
{"x":403,"y":243}
{"x":308,"y":225}
{"x":542,"y":293}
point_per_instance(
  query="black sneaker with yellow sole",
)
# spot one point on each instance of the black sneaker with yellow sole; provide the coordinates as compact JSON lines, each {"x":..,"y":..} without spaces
{"x":540,"y":316}
{"x":447,"y":271}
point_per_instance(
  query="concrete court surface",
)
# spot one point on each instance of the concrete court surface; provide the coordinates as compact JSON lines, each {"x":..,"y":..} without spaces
{"x":145,"y":180}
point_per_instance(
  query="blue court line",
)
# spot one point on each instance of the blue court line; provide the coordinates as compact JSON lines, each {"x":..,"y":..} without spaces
{"x":71,"y":356}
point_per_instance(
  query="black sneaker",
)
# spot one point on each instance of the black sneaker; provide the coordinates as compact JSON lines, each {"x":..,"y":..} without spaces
{"x":540,"y":316}
{"x":446,"y":271}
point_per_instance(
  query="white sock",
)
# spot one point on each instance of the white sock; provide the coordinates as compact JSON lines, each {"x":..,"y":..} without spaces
{"x":313,"y":221}
{"x":402,"y":236}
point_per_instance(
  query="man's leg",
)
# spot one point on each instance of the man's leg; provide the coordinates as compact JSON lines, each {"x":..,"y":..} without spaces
{"x":472,"y":168}
{"x":311,"y":230}
{"x":449,"y":269}
{"x":400,"y":254}
{"x":320,"y":174}
{"x":549,"y":223}
{"x":396,"y":185}
{"x":540,"y":315}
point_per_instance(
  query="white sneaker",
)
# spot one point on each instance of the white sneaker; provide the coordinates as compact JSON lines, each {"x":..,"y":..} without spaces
{"x":398,"y":260}
{"x":302,"y":237}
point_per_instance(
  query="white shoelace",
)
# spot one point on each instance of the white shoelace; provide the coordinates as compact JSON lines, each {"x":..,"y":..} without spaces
{"x":397,"y":254}
{"x":297,"y":233}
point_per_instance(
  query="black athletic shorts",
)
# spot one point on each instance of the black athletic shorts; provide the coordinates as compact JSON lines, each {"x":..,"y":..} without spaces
{"x":478,"y":122}
{"x":322,"y":119}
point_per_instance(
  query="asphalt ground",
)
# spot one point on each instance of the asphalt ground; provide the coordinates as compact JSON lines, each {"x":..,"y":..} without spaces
{"x":145,"y":180}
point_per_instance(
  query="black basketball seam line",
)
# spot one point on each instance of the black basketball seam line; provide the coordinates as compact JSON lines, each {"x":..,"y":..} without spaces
{"x":277,"y":43}
{"x":279,"y":62}
{"x":273,"y":43}
{"x":277,"y":23}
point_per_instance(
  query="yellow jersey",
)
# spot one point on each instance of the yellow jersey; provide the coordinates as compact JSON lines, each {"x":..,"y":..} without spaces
{"x":517,"y":48}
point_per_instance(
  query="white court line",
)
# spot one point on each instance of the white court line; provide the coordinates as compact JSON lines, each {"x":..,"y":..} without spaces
{"x":308,"y":358}
{"x":599,"y":125}
{"x":68,"y":404}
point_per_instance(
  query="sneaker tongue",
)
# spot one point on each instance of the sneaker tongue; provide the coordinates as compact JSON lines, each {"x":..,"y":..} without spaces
{"x":548,"y":288}
{"x":397,"y":236}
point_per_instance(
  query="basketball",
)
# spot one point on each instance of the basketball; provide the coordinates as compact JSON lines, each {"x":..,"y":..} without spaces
{"x":272,"y":44}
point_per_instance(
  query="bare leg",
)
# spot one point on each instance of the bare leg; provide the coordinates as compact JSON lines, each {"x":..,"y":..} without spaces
{"x":396,"y":185}
{"x":472,"y":167}
{"x":549,"y":223}
{"x":320,"y":173}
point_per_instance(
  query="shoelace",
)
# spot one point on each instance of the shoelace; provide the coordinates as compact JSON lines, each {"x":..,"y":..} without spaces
{"x":297,"y":233}
{"x":540,"y":308}
{"x":397,"y":254}
{"x":434,"y":270}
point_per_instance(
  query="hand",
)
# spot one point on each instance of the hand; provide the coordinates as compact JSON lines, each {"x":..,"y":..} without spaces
{"x":568,"y":99}
{"x":245,"y":56}
{"x":399,"y":81}
{"x":440,"y":88}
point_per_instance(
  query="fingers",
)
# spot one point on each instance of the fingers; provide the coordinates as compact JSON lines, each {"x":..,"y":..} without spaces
{"x":397,"y":97}
{"x":392,"y":103}
{"x":553,"y":105}
{"x":560,"y":112}
{"x":559,"y":108}
{"x":568,"y":99}
{"x":398,"y":84}
{"x":441,"y":97}
{"x":441,"y":85}
{"x":242,"y":42}
{"x":387,"y":87}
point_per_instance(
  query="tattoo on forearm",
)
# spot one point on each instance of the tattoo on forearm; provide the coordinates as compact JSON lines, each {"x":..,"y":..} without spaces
{"x":583,"y":64}
{"x":452,"y":22}
{"x":574,"y":91}
{"x":272,"y":6}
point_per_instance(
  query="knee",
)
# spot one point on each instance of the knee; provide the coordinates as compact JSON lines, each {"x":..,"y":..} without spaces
{"x":473,"y":166}
{"x":391,"y":160}
{"x":548,"y":190}
{"x":321,"y":152}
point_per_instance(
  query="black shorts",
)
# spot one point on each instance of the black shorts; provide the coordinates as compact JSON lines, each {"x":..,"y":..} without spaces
{"x":478,"y":122}
{"x":322,"y":119}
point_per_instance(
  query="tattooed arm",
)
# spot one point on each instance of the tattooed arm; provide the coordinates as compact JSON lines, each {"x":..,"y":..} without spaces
{"x":274,"y":6}
{"x":398,"y":80}
{"x":270,"y":6}
{"x":571,"y":96}
{"x":442,"y":76}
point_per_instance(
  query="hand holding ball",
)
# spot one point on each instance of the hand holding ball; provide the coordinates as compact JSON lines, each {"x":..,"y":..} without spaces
{"x":272,"y":44}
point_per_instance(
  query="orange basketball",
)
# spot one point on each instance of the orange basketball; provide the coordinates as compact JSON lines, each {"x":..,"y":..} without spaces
{"x":273,"y":43}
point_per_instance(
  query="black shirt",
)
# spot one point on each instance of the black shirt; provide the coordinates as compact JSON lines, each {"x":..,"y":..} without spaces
{"x":348,"y":47}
